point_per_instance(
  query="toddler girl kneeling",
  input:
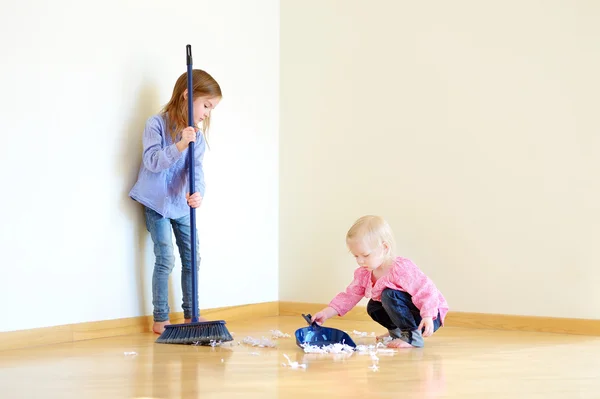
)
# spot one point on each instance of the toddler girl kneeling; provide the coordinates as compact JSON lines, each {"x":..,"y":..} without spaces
{"x":402,"y":298}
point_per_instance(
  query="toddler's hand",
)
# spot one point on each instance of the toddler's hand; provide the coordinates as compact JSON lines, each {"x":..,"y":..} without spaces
{"x":319,"y":317}
{"x":194,"y":200}
{"x":427,"y":324}
{"x":323,"y":315}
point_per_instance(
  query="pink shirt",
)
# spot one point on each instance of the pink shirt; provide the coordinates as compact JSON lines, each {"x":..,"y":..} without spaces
{"x":404,"y":275}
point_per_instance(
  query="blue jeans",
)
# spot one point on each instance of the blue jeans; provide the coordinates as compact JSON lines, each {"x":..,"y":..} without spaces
{"x":400,"y":316}
{"x":161,"y":230}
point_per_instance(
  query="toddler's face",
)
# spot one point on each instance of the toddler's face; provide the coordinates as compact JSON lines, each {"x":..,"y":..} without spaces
{"x":366,"y":256}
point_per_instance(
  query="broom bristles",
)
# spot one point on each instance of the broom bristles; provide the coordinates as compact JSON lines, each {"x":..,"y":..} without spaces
{"x":201,"y":333}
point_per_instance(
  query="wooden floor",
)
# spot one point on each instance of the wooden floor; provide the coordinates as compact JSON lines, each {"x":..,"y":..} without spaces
{"x":456,"y":363}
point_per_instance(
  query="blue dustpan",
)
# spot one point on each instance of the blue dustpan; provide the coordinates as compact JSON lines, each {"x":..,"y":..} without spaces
{"x":320,"y":336}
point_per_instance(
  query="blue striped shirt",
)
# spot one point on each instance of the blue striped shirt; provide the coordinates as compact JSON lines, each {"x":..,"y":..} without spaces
{"x":162,"y":182}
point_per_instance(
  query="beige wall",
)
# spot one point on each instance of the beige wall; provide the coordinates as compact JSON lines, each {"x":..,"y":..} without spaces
{"x":77,"y":82}
{"x":473,"y":128}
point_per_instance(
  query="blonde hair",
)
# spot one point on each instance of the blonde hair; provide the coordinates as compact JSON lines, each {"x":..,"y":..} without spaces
{"x":177,"y":107}
{"x":373,"y":231}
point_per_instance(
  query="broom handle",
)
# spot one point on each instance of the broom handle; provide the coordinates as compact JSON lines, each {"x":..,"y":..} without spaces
{"x":192,"y":185}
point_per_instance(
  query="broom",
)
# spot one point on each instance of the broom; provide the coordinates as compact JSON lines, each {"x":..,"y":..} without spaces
{"x":196,"y":332}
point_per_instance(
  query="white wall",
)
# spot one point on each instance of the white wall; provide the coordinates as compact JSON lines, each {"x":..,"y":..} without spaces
{"x":471,"y":126}
{"x":78,"y":80}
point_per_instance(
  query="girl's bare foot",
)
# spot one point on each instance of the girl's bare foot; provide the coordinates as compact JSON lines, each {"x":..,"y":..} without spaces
{"x":159,"y":326}
{"x":382,"y":337}
{"x":200,"y":318}
{"x":398,"y":343}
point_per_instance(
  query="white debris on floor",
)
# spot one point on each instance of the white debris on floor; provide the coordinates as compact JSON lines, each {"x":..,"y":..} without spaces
{"x":293,"y":365}
{"x":364,"y":349}
{"x":387,"y":351}
{"x":332,"y":348}
{"x":374,"y":357}
{"x":130,"y":353}
{"x":261,"y":343}
{"x":278,"y":334}
{"x":363,"y":334}
{"x":379,"y":348}
{"x":373,"y":351}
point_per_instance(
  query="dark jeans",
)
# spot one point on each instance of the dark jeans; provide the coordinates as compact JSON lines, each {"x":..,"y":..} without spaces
{"x":396,"y":311}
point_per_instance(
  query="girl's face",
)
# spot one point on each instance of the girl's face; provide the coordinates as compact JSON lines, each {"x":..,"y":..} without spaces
{"x":203,"y":106}
{"x":366,"y":256}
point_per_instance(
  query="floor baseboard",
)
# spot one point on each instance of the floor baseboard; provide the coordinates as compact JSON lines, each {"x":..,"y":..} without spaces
{"x":111,"y":328}
{"x":487,"y":321}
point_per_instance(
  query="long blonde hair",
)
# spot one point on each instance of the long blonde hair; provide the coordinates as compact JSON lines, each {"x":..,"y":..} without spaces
{"x":372,"y":231}
{"x":177,"y":107}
